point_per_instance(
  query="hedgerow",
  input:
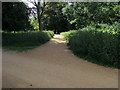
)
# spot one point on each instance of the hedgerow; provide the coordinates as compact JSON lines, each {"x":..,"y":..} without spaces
{"x":26,"y":39}
{"x":98,"y":44}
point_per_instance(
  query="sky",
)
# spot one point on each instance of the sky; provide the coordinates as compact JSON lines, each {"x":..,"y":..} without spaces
{"x":29,"y":4}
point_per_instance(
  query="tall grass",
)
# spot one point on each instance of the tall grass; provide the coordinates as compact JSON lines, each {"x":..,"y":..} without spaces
{"x":25,"y":40}
{"x":98,"y":44}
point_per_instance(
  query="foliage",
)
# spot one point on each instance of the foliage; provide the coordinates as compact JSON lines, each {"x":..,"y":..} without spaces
{"x":90,"y":13}
{"x":67,"y":34}
{"x":39,"y":8}
{"x":34,"y":23}
{"x":15,"y":16}
{"x":100,"y":42}
{"x":58,"y":16}
{"x":25,"y":39}
{"x":53,"y":17}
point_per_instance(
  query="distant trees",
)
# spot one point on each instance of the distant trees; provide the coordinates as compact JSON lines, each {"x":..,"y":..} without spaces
{"x":53,"y":17}
{"x":39,"y":6}
{"x":15,"y":16}
{"x":57,"y":16}
{"x":88,"y":13}
{"x":49,"y":16}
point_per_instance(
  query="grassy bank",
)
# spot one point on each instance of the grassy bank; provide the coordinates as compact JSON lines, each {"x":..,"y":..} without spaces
{"x":98,"y":44}
{"x":22,"y":41}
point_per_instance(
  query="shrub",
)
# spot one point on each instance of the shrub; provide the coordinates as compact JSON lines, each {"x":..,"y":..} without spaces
{"x":67,"y":34}
{"x":101,"y":43}
{"x":26,"y":39}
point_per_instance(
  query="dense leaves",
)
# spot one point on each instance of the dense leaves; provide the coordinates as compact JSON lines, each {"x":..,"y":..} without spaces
{"x":64,"y":16}
{"x":15,"y":16}
{"x":89,"y":13}
{"x":101,"y":43}
{"x":25,"y":39}
{"x":54,"y":18}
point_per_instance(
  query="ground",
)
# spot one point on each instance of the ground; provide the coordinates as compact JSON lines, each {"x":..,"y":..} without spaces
{"x":52,"y":65}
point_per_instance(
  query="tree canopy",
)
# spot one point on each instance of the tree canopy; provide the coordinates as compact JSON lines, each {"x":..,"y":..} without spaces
{"x":15,"y":16}
{"x":84,"y":14}
{"x":58,"y":16}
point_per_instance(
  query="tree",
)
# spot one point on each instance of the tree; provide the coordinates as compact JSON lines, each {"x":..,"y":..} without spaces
{"x":39,"y":6}
{"x":85,"y":14}
{"x":53,"y":17}
{"x":15,"y":16}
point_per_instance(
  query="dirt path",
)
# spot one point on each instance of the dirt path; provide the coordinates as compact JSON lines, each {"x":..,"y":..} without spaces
{"x":52,"y":65}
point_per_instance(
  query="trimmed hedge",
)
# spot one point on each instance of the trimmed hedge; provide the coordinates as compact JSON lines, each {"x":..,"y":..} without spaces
{"x":26,"y":39}
{"x":99,"y":44}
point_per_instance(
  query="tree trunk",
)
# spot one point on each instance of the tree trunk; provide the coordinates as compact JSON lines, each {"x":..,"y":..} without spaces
{"x":14,"y":31}
{"x":38,"y":16}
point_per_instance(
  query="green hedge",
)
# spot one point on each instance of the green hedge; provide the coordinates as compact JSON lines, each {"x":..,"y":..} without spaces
{"x":98,"y":44}
{"x":26,"y":39}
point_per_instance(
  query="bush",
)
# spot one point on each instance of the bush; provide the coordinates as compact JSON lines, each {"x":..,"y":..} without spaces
{"x":67,"y":34}
{"x":26,"y":39}
{"x":98,"y":42}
